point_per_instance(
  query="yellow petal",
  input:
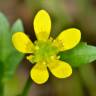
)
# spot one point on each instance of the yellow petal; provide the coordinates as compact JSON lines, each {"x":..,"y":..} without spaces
{"x":39,"y":73}
{"x":68,"y":39}
{"x":60,"y":69}
{"x":42,"y":25}
{"x":22,"y":43}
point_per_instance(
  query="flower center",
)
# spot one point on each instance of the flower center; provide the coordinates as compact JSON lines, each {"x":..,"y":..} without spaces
{"x":45,"y":51}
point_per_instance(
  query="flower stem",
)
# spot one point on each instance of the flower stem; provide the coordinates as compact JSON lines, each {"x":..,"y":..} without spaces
{"x":89,"y":78}
{"x":1,"y":79}
{"x":1,"y":90}
{"x":27,"y":87}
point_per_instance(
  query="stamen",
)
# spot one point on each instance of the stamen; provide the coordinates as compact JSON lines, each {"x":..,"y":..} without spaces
{"x":52,"y":57}
{"x":51,"y":39}
{"x":58,"y":57}
{"x":44,"y":63}
{"x":37,"y":47}
{"x":29,"y":57}
{"x":35,"y":42}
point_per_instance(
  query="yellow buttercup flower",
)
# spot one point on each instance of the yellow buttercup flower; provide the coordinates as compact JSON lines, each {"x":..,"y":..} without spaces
{"x":43,"y":52}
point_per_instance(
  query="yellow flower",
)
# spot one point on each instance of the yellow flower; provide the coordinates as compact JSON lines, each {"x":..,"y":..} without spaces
{"x":43,"y":52}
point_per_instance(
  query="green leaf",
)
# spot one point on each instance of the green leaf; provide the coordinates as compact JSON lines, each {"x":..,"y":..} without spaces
{"x":17,"y":26}
{"x":12,"y":63}
{"x":9,"y":56}
{"x":15,"y":57}
{"x":81,"y":54}
{"x":4,"y":38}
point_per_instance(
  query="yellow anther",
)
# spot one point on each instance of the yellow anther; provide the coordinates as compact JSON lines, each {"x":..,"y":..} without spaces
{"x":29,"y":57}
{"x":52,"y":57}
{"x":50,"y":39}
{"x":44,"y":63}
{"x":35,"y":42}
{"x":58,"y":57}
{"x":37,"y":47}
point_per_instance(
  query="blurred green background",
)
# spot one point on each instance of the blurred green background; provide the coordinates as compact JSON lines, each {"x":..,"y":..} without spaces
{"x":64,"y":14}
